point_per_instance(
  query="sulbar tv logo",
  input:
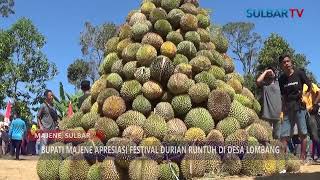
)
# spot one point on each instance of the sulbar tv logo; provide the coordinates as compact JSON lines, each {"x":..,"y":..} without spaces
{"x":275,"y":13}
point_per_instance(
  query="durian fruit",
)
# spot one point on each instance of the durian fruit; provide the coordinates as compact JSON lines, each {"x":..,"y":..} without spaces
{"x":142,"y":74}
{"x":203,"y":21}
{"x":236,"y":85}
{"x":48,"y":166}
{"x":155,"y":126}
{"x":243,"y":100}
{"x":165,"y":110}
{"x":228,"y":64}
{"x":88,"y":120}
{"x":221,"y":85}
{"x":218,"y":59}
{"x":64,"y":169}
{"x":256,"y":106}
{"x":162,"y":27}
{"x":168,"y":49}
{"x":215,"y":138}
{"x":228,"y":126}
{"x":270,"y":164}
{"x":168,"y":5}
{"x":200,"y":63}
{"x":218,"y":72}
{"x":220,"y":42}
{"x":184,"y":69}
{"x":200,"y":118}
{"x":169,"y":171}
{"x":187,"y":49}
{"x":199,"y":92}
{"x":106,"y":128}
{"x":117,"y":67}
{"x":238,"y":138}
{"x":153,"y":39}
{"x":131,"y":13}
{"x":204,"y":36}
{"x":176,"y":126}
{"x":142,"y":105}
{"x":293,"y":163}
{"x":95,"y":108}
{"x":129,"y":69}
{"x":79,"y":167}
{"x":174,"y":17}
{"x":154,"y":144}
{"x":122,"y":158}
{"x":157,"y":14}
{"x":189,"y":22}
{"x":213,"y":161}
{"x":74,"y":121}
{"x":174,"y":37}
{"x":120,"y":47}
{"x":97,"y":87}
{"x":161,"y":69}
{"x":236,"y":76}
{"x":181,"y":104}
{"x":193,"y":37}
{"x":130,"y":90}
{"x":246,"y":92}
{"x":137,"y":17}
{"x":152,"y":90}
{"x":147,"y":7}
{"x":107,"y":63}
{"x":194,"y":134}
{"x":130,"y":118}
{"x":134,"y":133}
{"x":178,"y":83}
{"x":86,"y":105}
{"x":179,"y":59}
{"x":253,"y":164}
{"x":238,"y":111}
{"x":231,"y":164}
{"x":207,"y":78}
{"x":142,"y":168}
{"x":104,"y":94}
{"x":124,"y":33}
{"x":113,"y":107}
{"x":129,"y":52}
{"x":111,"y":45}
{"x":189,"y":8}
{"x":146,"y":54}
{"x":219,"y":104}
{"x":207,"y":46}
{"x":259,"y":132}
{"x":95,"y":172}
{"x":193,"y":166}
{"x":207,"y":54}
{"x":109,"y":170}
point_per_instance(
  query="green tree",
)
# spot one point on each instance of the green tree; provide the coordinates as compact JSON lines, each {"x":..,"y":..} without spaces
{"x":92,"y":41}
{"x":6,"y":7}
{"x":274,"y":47}
{"x":78,"y":71}
{"x":27,"y":67}
{"x":244,"y":43}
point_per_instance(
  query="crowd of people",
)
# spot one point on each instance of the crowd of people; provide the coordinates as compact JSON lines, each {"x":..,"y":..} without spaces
{"x":290,"y":103}
{"x":291,"y":106}
{"x":16,"y":139}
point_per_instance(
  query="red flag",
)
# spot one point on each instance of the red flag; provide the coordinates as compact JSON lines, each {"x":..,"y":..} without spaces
{"x":70,"y":111}
{"x":8,"y":113}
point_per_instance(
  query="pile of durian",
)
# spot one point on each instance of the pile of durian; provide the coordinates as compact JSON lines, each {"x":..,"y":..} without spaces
{"x":166,"y":79}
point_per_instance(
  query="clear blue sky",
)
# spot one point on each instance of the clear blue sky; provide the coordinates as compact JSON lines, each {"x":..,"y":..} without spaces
{"x":61,"y":22}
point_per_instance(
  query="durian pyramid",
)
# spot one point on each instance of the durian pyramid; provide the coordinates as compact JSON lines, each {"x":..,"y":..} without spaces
{"x":166,"y":79}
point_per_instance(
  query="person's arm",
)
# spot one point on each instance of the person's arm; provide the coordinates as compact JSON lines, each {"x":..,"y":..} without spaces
{"x":10,"y":130}
{"x":39,"y":117}
{"x":260,"y":79}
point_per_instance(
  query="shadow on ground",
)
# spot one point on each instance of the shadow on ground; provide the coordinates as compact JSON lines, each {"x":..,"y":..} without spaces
{"x":298,"y":176}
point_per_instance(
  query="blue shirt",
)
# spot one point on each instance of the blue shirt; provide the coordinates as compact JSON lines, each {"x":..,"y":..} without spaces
{"x":17,"y":129}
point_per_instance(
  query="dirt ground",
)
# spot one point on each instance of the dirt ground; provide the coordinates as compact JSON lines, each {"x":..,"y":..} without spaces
{"x":25,"y":169}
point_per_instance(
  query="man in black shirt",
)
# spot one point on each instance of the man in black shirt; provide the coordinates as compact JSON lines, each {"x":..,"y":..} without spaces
{"x":291,"y":87}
